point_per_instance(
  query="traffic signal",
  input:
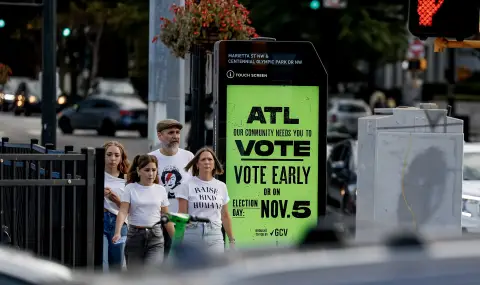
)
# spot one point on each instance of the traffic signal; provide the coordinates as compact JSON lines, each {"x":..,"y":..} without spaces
{"x":2,"y":23}
{"x":66,"y":32}
{"x":457,"y":19}
{"x":417,"y":64}
{"x":315,"y":4}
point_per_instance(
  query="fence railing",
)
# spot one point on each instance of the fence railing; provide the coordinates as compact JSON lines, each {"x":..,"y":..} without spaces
{"x":51,"y":201}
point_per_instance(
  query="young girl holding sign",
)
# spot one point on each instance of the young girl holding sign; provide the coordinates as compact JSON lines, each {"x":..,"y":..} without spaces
{"x":206,"y":197}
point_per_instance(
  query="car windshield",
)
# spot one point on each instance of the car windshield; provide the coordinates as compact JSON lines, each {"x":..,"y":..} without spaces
{"x":351,"y":108}
{"x":471,"y":166}
{"x":34,"y":88}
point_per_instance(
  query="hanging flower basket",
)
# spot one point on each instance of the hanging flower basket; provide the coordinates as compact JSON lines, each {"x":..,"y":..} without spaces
{"x":204,"y":22}
{"x":5,"y":73}
{"x":208,"y":41}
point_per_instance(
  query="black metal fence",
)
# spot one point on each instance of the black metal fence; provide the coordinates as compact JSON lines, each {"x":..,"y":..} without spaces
{"x":51,"y":201}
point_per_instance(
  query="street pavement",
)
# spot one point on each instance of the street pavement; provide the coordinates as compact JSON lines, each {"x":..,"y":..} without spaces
{"x":21,"y":129}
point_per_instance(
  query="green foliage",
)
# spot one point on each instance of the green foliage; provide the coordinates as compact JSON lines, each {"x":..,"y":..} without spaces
{"x":378,"y":31}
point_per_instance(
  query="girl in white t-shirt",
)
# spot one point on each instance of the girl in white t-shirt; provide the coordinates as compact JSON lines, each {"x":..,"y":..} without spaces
{"x":206,"y":197}
{"x":116,"y":167}
{"x":144,"y":201}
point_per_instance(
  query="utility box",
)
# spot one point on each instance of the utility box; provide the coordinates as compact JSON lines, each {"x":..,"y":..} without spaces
{"x":410,"y":164}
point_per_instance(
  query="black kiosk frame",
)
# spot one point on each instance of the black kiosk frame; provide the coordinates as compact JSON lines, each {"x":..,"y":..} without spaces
{"x":310,"y":73}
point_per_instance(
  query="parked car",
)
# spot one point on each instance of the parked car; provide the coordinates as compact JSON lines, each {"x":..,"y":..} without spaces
{"x":21,"y":268}
{"x":28,"y":98}
{"x":471,"y":188}
{"x":337,"y":132}
{"x":106,"y":114}
{"x":8,"y":91}
{"x":111,"y":86}
{"x":7,"y":97}
{"x":347,"y":112}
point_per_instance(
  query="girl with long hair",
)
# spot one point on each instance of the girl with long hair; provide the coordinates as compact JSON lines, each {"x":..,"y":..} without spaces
{"x":116,"y":167}
{"x":143,"y":201}
{"x":206,"y":197}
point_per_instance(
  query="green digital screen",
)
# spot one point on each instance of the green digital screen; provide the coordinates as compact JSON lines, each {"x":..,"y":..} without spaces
{"x":272,"y":162}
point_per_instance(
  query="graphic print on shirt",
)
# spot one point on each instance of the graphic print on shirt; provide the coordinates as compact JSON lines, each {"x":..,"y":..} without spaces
{"x":171,"y":179}
{"x":207,"y":198}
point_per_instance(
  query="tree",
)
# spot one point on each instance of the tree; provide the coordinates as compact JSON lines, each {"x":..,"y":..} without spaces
{"x":378,"y":33}
{"x":91,"y":18}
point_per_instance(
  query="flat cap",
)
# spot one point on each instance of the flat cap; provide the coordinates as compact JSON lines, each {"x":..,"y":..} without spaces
{"x":167,"y":124}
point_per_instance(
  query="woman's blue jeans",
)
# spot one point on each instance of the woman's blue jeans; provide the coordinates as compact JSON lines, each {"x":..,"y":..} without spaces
{"x":113,"y":253}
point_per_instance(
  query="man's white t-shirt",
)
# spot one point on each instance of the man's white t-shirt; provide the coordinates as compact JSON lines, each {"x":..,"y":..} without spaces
{"x":205,"y":198}
{"x":171,"y":172}
{"x":145,"y":203}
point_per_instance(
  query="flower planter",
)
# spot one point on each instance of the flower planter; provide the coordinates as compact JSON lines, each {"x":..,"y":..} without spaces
{"x":204,"y":23}
{"x":208,"y":41}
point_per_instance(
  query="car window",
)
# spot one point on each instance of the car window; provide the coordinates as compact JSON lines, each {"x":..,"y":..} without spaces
{"x":349,"y":157}
{"x":86,"y":104}
{"x":8,"y":280}
{"x":351,"y":108}
{"x":337,"y":152}
{"x":34,"y":88}
{"x":330,"y":106}
{"x":100,"y":104}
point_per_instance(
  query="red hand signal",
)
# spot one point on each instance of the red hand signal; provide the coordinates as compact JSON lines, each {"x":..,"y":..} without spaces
{"x":426,"y":9}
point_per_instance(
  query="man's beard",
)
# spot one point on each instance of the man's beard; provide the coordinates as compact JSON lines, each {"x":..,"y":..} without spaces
{"x":169,"y":145}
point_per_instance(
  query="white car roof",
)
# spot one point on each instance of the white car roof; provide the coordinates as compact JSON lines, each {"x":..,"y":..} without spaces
{"x":25,"y":266}
{"x":348,"y":101}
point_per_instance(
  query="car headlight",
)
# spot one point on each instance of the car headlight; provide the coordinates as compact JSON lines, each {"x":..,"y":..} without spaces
{"x":32,"y":99}
{"x":470,"y":205}
{"x":62,"y":100}
{"x":9,"y":97}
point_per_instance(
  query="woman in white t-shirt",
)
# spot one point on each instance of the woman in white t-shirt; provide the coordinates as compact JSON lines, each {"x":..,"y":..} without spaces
{"x":206,"y":197}
{"x":144,"y":201}
{"x":116,"y":167}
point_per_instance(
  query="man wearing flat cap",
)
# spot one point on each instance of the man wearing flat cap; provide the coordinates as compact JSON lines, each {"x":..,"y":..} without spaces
{"x":171,"y":159}
{"x":171,"y":163}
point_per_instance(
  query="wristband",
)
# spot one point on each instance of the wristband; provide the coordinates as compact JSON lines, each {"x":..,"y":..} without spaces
{"x":232,"y":240}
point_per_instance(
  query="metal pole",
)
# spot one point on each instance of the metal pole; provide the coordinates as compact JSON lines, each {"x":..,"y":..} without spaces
{"x":49,"y":118}
{"x":197,"y":132}
{"x":164,"y":83}
{"x":451,"y":81}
